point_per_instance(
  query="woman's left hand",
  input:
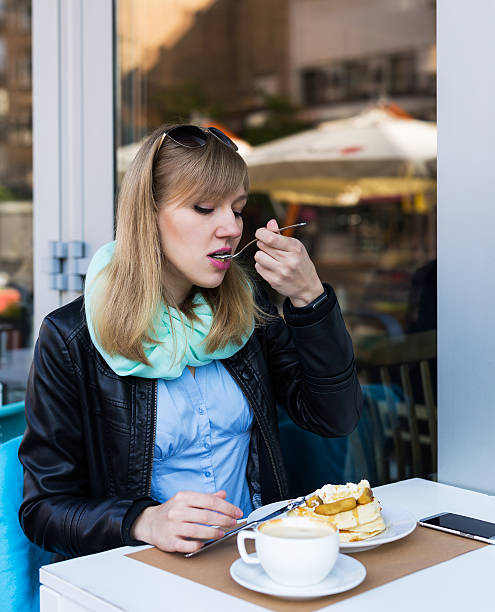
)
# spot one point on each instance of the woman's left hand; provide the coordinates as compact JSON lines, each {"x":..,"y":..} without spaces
{"x":285,"y":264}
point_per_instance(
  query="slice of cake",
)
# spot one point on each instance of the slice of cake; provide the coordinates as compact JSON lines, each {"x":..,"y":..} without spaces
{"x":350,"y":507}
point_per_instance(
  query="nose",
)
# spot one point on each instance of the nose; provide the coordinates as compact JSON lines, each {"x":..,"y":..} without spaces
{"x":229,"y":226}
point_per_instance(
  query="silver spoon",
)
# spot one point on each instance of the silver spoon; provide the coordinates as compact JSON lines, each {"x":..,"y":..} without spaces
{"x":229,"y":256}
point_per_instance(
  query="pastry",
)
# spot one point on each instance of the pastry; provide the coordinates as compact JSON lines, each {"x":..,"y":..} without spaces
{"x":350,"y":507}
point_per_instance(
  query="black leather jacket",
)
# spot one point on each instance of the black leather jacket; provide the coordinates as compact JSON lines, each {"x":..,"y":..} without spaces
{"x":88,"y":447}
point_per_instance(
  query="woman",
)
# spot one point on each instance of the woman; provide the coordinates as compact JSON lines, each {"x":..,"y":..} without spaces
{"x":151,"y":407}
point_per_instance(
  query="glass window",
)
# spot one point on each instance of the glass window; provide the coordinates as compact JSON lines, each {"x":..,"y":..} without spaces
{"x":402,"y":73}
{"x":314,"y":87}
{"x":16,"y":209}
{"x":356,"y":74}
{"x":267,"y":70}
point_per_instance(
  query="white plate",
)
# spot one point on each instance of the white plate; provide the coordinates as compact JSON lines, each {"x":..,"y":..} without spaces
{"x":399,"y":523}
{"x":346,"y":574}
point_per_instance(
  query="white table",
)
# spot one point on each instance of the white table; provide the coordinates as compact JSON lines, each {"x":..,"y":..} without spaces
{"x":111,"y":581}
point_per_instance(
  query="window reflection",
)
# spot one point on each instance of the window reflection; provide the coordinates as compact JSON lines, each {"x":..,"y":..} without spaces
{"x":263,"y":71}
{"x":16,"y":269}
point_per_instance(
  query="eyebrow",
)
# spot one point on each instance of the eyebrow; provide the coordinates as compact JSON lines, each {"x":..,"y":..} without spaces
{"x":240,"y":198}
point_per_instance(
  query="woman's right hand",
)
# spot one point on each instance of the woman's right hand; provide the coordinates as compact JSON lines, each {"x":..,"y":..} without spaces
{"x":185,"y":521}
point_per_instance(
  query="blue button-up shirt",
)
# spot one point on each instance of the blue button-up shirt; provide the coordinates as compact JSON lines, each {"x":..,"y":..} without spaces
{"x":202,"y":436}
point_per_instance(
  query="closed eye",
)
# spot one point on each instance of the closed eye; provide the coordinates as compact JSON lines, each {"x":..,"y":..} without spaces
{"x":206,"y":211}
{"x":203,"y":211}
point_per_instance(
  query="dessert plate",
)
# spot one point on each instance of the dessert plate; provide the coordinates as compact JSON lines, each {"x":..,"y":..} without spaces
{"x":346,"y":574}
{"x":399,"y":523}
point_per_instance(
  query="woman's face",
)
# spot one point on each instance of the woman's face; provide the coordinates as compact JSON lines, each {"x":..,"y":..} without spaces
{"x":189,"y":234}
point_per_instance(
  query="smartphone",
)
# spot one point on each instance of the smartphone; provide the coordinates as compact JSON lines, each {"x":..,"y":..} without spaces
{"x":461,"y":525}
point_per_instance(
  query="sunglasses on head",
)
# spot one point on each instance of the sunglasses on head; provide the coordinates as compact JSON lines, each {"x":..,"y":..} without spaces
{"x":193,"y":136}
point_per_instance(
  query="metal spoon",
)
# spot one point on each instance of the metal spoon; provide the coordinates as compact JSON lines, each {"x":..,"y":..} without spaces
{"x":229,"y":256}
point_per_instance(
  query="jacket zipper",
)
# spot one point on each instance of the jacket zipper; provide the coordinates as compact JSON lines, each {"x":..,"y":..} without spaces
{"x":260,"y":422}
{"x":153,"y":437}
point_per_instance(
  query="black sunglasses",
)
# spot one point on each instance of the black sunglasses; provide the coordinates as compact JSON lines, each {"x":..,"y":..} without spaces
{"x":193,"y":136}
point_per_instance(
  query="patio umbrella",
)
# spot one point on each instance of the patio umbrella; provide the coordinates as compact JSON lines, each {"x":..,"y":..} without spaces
{"x":374,"y":154}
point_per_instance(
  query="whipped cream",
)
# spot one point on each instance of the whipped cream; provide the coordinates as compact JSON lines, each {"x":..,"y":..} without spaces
{"x":329,"y":492}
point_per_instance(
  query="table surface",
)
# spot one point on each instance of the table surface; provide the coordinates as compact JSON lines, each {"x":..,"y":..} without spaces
{"x":111,"y":581}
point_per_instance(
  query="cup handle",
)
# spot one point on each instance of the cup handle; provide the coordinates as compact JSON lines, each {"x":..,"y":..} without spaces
{"x":241,"y":545}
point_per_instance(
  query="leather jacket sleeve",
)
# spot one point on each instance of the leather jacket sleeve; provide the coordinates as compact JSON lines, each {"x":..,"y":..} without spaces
{"x":312,"y":369}
{"x":59,"y":511}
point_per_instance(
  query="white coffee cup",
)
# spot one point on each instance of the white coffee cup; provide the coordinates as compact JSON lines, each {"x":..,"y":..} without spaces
{"x":295,"y":551}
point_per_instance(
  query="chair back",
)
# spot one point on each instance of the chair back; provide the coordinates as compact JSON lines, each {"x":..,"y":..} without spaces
{"x":398,"y":378}
{"x":12,"y":421}
{"x":20,"y":559}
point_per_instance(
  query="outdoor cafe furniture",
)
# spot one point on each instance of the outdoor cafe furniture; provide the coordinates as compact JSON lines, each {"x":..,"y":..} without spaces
{"x":396,"y":377}
{"x":112,"y":581}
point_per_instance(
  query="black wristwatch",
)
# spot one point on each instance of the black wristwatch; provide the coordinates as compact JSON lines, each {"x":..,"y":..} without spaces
{"x":312,"y":305}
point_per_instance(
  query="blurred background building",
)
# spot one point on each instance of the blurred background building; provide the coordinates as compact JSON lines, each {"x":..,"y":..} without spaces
{"x":266,"y":69}
{"x":352,"y":79}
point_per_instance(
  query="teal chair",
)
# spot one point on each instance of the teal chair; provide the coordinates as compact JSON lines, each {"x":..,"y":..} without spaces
{"x":12,"y":421}
{"x":20,"y":559}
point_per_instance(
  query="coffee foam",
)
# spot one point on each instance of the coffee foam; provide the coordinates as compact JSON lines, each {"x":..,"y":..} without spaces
{"x":297,"y":527}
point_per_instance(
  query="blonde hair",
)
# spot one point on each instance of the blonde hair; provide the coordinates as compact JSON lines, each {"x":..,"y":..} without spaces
{"x":134,"y":286}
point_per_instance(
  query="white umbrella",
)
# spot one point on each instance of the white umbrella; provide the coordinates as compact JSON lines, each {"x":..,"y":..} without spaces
{"x":373,"y":153}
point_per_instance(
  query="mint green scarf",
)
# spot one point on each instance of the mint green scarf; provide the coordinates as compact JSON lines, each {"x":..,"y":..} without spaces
{"x":165,"y":363}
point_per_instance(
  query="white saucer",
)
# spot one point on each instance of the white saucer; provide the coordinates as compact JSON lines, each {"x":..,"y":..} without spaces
{"x":346,"y":574}
{"x":399,"y":523}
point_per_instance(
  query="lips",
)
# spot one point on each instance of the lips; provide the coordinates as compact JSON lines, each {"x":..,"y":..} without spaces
{"x":219,"y":264}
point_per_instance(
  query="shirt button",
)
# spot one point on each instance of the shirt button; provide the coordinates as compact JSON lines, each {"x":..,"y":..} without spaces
{"x":207,"y":474}
{"x":201,"y":411}
{"x":207,"y":446}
